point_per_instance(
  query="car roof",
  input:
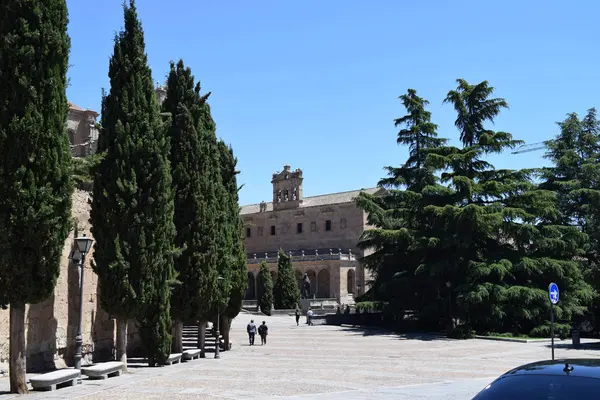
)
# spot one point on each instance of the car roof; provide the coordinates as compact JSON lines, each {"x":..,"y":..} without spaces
{"x":581,"y":367}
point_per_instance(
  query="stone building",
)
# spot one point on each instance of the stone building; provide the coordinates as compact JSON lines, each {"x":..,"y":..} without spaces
{"x":82,"y":129}
{"x":320,"y":232}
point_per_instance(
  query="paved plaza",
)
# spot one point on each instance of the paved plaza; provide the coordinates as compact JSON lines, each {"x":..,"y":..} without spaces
{"x":323,"y":362}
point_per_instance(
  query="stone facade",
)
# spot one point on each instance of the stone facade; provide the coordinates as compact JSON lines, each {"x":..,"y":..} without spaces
{"x":83,"y":133}
{"x":320,"y":232}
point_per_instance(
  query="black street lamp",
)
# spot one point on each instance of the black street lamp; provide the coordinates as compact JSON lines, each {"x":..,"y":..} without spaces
{"x":83,"y":246}
{"x":217,"y":334}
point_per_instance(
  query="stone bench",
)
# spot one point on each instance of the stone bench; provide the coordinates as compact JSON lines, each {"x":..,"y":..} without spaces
{"x":103,"y":370}
{"x":191,"y":354}
{"x":173,"y":359}
{"x":51,"y":379}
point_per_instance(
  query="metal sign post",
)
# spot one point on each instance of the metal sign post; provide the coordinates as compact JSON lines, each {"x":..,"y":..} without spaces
{"x":553,"y":295}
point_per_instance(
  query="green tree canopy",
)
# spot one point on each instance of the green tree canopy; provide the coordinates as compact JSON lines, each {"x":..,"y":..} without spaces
{"x":286,"y":291}
{"x":265,"y":289}
{"x":132,"y":207}
{"x":35,"y":161}
{"x":196,"y":182}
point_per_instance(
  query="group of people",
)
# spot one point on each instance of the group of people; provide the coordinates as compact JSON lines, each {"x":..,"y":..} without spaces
{"x":263,"y":331}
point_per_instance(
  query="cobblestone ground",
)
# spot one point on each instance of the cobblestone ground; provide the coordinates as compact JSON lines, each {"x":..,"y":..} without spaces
{"x":323,"y":362}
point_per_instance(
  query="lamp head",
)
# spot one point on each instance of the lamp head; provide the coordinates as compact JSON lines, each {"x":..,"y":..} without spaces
{"x":84,"y":244}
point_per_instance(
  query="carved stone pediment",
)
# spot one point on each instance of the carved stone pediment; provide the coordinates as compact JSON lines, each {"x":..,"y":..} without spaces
{"x":299,"y":214}
{"x":327,"y":210}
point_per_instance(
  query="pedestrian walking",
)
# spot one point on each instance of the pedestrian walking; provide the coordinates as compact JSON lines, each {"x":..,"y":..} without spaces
{"x":309,"y":315}
{"x":297,"y":316}
{"x":263,"y":331}
{"x":251,"y":329}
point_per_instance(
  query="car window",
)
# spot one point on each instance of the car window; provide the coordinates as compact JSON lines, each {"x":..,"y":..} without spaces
{"x":542,"y":387}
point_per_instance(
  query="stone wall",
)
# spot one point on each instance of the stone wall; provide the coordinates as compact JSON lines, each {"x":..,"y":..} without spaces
{"x":51,"y":325}
{"x":347,"y":224}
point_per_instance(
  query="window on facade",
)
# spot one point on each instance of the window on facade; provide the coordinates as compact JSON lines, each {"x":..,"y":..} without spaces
{"x":313,"y":226}
{"x":343,"y":223}
{"x":328,"y":225}
{"x":248,"y":232}
{"x":260,"y":231}
{"x":299,"y":227}
{"x":272,"y":230}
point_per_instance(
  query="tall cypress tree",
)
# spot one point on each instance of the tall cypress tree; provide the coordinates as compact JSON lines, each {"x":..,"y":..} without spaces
{"x":231,"y":249}
{"x":286,"y":292}
{"x":239,"y":275}
{"x":35,"y":161}
{"x":132,"y":207}
{"x":265,"y":289}
{"x":196,"y":181}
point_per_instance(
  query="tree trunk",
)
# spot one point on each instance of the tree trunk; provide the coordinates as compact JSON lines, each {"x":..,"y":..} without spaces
{"x":18,"y":349}
{"x":177,"y":337}
{"x":122,"y":342}
{"x":225,"y":327}
{"x":201,"y":336}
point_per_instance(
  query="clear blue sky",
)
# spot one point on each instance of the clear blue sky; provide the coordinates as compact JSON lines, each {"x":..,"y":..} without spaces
{"x":315,"y":83}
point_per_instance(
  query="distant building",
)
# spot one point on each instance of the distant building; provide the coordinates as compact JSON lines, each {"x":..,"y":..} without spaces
{"x":83,"y":127}
{"x":83,"y":133}
{"x":320,"y":232}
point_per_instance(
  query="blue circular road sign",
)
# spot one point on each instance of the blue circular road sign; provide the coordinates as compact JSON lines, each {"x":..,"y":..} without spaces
{"x":553,"y":293}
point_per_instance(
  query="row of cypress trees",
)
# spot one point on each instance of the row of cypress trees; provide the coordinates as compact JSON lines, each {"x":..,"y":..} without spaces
{"x":165,"y":211}
{"x":456,"y":239}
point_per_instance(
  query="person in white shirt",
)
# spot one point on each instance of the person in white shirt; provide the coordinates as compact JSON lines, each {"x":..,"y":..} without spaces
{"x":309,"y":315}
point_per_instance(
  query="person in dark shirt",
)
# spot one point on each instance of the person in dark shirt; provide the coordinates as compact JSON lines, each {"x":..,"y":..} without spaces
{"x":297,"y":316}
{"x":251,"y":329}
{"x":263,"y":331}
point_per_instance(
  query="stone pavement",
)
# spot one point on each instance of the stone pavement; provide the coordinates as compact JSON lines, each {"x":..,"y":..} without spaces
{"x":326,"y":363}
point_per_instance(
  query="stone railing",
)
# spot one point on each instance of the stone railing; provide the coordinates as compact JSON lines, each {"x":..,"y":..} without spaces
{"x":303,"y":255}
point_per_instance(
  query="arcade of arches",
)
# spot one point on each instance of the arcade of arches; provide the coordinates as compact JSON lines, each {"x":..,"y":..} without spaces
{"x":326,"y":282}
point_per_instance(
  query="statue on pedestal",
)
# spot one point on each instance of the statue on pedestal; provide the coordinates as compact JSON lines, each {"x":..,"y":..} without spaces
{"x":305,"y":286}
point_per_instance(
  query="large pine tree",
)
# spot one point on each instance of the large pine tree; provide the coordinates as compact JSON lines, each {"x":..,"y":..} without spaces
{"x":196,"y":182}
{"x":396,"y":214}
{"x":575,"y":178}
{"x":35,"y":161}
{"x":483,"y":244}
{"x":286,"y":291}
{"x":132,"y":207}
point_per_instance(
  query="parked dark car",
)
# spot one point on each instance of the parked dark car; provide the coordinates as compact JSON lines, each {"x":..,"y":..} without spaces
{"x":547,"y":380}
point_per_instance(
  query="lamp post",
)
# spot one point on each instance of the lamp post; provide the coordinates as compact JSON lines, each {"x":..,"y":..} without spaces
{"x":83,"y":246}
{"x":217,"y":334}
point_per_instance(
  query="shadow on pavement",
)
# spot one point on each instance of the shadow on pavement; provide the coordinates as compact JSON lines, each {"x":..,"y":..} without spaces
{"x":368,"y":331}
{"x":569,"y":345}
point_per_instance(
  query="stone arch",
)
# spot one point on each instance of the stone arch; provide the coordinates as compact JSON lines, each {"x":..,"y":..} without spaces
{"x":323,"y":284}
{"x":251,"y":290}
{"x":312,"y":275}
{"x":350,"y":281}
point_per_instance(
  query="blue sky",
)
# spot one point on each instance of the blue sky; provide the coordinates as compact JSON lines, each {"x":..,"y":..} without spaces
{"x":315,"y":83}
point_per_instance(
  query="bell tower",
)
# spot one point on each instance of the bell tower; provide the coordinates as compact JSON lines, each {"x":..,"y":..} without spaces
{"x":287,"y":188}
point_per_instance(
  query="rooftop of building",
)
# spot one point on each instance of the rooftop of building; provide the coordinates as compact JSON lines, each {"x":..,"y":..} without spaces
{"x":315,"y":201}
{"x":75,"y":107}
